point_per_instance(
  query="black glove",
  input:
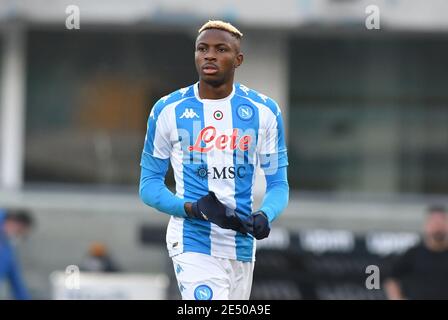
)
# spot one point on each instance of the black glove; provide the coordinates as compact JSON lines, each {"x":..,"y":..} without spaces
{"x":209,"y":208}
{"x":257,"y":224}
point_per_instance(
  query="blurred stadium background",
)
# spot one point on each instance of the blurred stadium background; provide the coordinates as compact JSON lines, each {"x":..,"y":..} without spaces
{"x":366,"y":114}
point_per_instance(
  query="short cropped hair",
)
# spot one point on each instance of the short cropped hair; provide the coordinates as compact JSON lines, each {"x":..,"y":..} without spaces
{"x":20,"y":216}
{"x":221,"y":25}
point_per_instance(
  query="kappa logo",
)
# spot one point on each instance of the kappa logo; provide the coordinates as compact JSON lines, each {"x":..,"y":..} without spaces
{"x":165,"y":97}
{"x":203,"y":292}
{"x":183,"y":91}
{"x":181,"y":287}
{"x":179,"y":269}
{"x":189,"y":114}
{"x":263,"y":97}
{"x":244,"y":89}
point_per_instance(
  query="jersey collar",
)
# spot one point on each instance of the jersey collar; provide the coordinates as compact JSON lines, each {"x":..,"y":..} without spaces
{"x":196,"y":94}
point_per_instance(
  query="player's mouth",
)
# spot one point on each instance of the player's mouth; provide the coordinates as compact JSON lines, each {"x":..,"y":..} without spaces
{"x":210,"y":69}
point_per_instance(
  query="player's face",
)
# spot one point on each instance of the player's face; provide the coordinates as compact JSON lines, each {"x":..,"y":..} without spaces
{"x":217,"y":55}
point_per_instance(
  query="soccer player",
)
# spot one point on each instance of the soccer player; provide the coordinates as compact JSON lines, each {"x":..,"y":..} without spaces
{"x":215,"y":132}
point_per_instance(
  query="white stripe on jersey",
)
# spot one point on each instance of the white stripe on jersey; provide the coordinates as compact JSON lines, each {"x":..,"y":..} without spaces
{"x":267,"y":137}
{"x":164,"y":125}
{"x":174,"y":238}
{"x":162,"y":147}
{"x":178,"y":168}
{"x":222,"y":240}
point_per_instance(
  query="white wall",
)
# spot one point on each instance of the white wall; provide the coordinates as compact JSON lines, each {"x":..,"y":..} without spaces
{"x":12,"y":107}
{"x":397,"y":14}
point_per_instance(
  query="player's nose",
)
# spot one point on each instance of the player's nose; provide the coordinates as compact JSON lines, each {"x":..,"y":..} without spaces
{"x":209,"y":56}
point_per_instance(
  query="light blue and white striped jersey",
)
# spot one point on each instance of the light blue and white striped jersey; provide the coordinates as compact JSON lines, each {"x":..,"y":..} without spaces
{"x":215,"y":145}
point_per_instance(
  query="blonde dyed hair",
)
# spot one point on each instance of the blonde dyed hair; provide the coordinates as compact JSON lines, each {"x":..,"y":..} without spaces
{"x":221,"y":25}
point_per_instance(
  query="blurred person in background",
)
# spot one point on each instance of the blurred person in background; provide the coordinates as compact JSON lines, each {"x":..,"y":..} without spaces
{"x":422,"y":271}
{"x":14,"y":225}
{"x":99,"y":259}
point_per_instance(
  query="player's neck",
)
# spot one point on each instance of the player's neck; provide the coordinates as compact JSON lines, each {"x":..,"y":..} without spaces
{"x":207,"y":91}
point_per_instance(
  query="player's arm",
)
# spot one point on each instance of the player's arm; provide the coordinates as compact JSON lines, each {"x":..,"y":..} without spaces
{"x":273,"y":161}
{"x":277,"y":194}
{"x":154,"y":165}
{"x":274,"y":202}
{"x":153,"y":190}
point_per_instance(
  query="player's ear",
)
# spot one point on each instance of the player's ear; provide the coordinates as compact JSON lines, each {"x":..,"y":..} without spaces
{"x":239,"y":59}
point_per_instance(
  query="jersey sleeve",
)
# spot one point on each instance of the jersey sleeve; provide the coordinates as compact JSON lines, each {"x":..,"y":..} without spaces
{"x":277,"y":194}
{"x":154,"y":192}
{"x":157,"y":139}
{"x":272,"y":152}
{"x":154,"y":164}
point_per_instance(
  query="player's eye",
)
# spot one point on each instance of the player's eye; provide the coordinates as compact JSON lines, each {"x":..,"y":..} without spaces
{"x":222,"y":49}
{"x":201,"y":49}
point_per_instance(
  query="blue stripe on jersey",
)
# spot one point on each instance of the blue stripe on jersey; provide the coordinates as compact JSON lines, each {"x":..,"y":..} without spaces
{"x":196,"y":233}
{"x":244,"y":184}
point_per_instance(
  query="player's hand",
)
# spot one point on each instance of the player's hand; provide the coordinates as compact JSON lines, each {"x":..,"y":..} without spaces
{"x":209,"y":208}
{"x":257,"y":224}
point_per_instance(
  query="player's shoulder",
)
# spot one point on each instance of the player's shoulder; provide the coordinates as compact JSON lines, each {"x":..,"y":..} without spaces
{"x":171,"y":98}
{"x":257,"y":97}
